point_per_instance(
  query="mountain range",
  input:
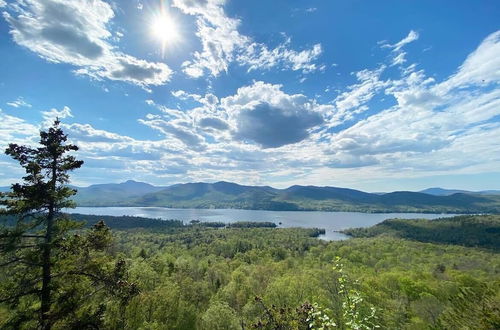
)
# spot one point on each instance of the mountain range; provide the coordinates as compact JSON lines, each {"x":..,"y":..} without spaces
{"x":231,"y":195}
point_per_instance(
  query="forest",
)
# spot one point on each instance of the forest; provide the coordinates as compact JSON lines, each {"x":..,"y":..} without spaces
{"x":477,"y":231}
{"x":194,"y":276}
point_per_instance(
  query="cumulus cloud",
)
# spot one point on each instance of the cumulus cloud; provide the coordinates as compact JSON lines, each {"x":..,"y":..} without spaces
{"x":267,"y":134}
{"x":223,"y":44}
{"x":176,"y":130}
{"x":259,"y":114}
{"x":266,"y":115}
{"x":424,"y":127}
{"x":103,"y":151}
{"x":212,"y":122}
{"x":76,"y":32}
{"x":272,"y":126}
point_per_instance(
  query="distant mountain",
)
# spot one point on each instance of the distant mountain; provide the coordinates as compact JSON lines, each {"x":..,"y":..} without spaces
{"x":489,"y":192}
{"x":112,"y":193}
{"x":214,"y":195}
{"x":442,"y":192}
{"x":447,"y":192}
{"x":231,"y":195}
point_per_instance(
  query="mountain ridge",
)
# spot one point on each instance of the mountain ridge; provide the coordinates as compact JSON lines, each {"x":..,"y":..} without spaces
{"x":223,"y":194}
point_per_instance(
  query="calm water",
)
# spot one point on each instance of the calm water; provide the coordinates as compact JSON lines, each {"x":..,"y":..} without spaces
{"x":331,"y":221}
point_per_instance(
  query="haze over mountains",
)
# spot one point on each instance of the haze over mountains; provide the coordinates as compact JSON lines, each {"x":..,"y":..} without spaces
{"x":447,"y":192}
{"x":231,"y":195}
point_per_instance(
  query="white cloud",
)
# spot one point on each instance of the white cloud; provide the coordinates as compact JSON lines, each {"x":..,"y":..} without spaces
{"x":19,"y":102}
{"x":267,"y":135}
{"x":3,"y":3}
{"x":433,"y":127}
{"x":76,"y":32}
{"x":176,"y":130}
{"x":412,"y":36}
{"x":86,"y":133}
{"x":262,"y":113}
{"x":183,"y":95}
{"x":14,"y":130}
{"x":258,"y":56}
{"x":399,"y":55}
{"x":481,"y":67}
{"x":50,"y":116}
{"x":259,"y":114}
{"x":354,"y":100}
{"x":222,"y":44}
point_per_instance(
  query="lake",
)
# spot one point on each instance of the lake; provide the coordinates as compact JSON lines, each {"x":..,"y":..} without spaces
{"x":330,"y":221}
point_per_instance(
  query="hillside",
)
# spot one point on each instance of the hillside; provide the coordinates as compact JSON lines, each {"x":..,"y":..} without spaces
{"x":113,"y":193}
{"x":231,"y":195}
{"x":475,"y":231}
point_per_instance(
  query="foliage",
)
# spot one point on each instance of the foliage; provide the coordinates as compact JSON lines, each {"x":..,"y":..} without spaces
{"x":355,"y":313}
{"x":477,"y":230}
{"x":195,"y":277}
{"x":46,"y":271}
{"x":219,"y":316}
{"x":127,"y":222}
{"x":250,"y":224}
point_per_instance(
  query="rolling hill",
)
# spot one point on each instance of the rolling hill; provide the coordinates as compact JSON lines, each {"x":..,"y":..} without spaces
{"x":231,"y":195}
{"x":113,"y":193}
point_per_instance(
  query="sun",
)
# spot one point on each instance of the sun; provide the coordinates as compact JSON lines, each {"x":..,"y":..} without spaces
{"x":164,"y":29}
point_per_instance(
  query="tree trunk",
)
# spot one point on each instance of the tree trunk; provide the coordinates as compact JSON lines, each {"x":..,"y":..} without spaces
{"x":46,"y":262}
{"x":46,"y":273}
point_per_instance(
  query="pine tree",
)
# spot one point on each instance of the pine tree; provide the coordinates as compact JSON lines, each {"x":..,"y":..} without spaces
{"x":42,"y":262}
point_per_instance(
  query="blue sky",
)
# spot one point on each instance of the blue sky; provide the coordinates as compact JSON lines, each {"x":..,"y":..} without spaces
{"x":372,"y":95}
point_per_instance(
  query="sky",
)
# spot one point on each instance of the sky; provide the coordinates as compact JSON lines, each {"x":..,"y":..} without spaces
{"x":372,"y":95}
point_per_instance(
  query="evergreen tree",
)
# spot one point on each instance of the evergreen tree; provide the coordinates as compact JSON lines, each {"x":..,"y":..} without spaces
{"x":39,"y":256}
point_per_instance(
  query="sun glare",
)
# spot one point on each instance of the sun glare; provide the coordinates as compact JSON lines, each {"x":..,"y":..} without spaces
{"x":164,"y":29}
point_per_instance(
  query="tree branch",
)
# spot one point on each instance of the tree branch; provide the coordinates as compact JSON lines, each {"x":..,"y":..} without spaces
{"x":19,"y":295}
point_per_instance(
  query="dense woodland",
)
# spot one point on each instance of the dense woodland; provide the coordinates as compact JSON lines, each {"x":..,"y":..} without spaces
{"x":232,"y":278}
{"x":479,"y":231}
